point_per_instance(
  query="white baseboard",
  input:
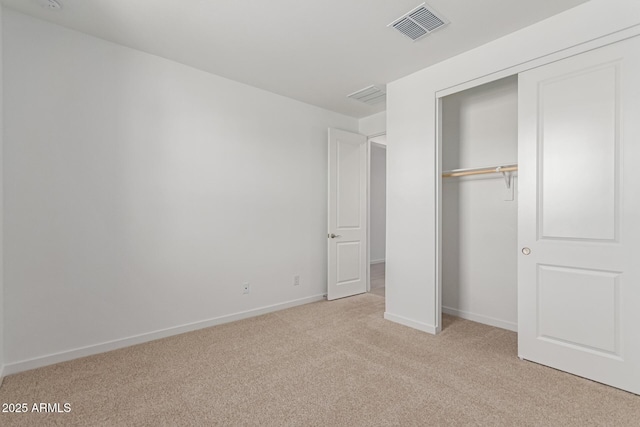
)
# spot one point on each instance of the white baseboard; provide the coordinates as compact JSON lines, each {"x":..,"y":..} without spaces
{"x":38,"y":362}
{"x":424,"y":327}
{"x":491,"y":321}
{"x":376,"y":261}
{"x":1,"y":374}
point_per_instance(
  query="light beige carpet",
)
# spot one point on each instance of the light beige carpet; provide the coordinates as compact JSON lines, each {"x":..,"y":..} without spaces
{"x":325,"y":364}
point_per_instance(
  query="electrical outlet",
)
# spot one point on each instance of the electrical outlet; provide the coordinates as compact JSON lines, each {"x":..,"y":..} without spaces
{"x":246,"y":287}
{"x":296,"y":280}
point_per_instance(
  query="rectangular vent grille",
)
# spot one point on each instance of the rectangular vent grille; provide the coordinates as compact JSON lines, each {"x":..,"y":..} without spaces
{"x":427,"y":19}
{"x":369,"y":95}
{"x":410,"y":29}
{"x":419,"y":22}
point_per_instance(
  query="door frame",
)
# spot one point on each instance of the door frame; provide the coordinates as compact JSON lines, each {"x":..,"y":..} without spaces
{"x":371,"y":143}
{"x":497,"y":75}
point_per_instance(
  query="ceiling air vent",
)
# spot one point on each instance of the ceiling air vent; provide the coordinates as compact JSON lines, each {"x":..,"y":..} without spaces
{"x":369,"y":95}
{"x":50,"y":4}
{"x":419,"y":22}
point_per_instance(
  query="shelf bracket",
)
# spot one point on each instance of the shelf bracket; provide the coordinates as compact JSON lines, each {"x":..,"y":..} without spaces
{"x":505,"y":175}
{"x":508,"y":196}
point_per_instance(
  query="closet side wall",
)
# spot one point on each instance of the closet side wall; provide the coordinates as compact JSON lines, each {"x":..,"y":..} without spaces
{"x":479,"y":229}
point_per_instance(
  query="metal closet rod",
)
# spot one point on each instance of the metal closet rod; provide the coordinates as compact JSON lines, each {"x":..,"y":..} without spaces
{"x":480,"y":171}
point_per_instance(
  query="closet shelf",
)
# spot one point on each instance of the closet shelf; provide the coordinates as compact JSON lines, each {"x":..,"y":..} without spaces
{"x":478,"y":171}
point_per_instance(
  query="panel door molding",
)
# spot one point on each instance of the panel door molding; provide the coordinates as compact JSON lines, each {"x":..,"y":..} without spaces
{"x":347,"y":211}
{"x":579,"y":277}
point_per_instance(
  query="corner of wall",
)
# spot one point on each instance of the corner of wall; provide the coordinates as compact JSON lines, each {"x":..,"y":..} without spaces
{"x":374,"y":124}
{"x":204,"y":189}
{"x":421,"y":326}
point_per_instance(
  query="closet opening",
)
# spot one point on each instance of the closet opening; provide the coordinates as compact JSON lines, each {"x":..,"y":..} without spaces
{"x":478,"y":148}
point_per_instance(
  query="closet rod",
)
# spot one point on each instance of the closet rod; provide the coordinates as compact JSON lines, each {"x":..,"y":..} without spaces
{"x":479,"y":171}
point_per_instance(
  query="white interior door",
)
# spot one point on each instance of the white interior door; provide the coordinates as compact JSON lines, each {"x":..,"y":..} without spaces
{"x":347,"y":234}
{"x":579,"y":215}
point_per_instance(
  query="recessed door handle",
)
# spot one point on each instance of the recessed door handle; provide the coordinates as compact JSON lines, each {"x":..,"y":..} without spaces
{"x":333,"y":236}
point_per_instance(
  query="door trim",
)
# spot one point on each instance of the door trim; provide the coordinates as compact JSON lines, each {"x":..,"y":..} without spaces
{"x":620,"y":35}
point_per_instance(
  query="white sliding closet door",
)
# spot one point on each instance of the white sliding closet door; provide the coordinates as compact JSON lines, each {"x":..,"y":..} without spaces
{"x":579,"y":215}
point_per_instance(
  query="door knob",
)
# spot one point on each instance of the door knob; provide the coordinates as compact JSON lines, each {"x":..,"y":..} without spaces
{"x":526,"y":251}
{"x":333,"y":236}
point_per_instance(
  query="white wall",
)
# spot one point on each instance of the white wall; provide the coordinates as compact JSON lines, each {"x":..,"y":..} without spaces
{"x":1,"y":209}
{"x":411,"y":290}
{"x":377,"y":203}
{"x":141,"y":193}
{"x":374,"y":124}
{"x":479,"y":228}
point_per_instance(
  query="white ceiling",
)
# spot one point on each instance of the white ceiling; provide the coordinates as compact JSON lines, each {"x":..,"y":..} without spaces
{"x":314,"y":51}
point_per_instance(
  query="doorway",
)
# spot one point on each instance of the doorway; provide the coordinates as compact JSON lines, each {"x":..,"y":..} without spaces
{"x":357,"y":171}
{"x":377,"y":213}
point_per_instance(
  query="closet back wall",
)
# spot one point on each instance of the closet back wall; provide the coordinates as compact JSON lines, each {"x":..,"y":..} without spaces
{"x":140,"y":193}
{"x":479,"y":228}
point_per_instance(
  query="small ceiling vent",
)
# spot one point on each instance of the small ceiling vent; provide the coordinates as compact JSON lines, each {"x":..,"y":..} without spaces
{"x":369,"y":95}
{"x":50,"y":4}
{"x":419,"y":22}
